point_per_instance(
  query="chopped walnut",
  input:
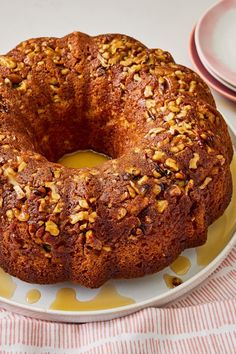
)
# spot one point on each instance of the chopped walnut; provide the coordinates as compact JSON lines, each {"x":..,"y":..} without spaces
{"x":143,"y":180}
{"x":132,"y":192}
{"x":156,"y":174}
{"x":11,"y":175}
{"x":161,"y":80}
{"x":106,"y":248}
{"x":158,"y":156}
{"x":58,"y":208}
{"x":192,"y":86}
{"x":23,"y":216}
{"x":65,"y":71}
{"x":83,"y":226}
{"x":179,"y":74}
{"x":82,"y":215}
{"x":134,"y":187}
{"x":172,"y":164}
{"x":83,"y":204}
{"x":161,"y":205}
{"x":54,"y":195}
{"x":148,"y":91}
{"x":42,"y":204}
{"x":156,"y":189}
{"x":57,"y":173}
{"x":205,"y":183}
{"x":150,"y":103}
{"x":180,"y":175}
{"x":10,"y":214}
{"x":92,"y":217}
{"x":19,"y":192}
{"x":221,"y":158}
{"x":173,"y":107}
{"x":175,"y":191}
{"x":121,"y":213}
{"x":194,"y":160}
{"x":92,"y":241}
{"x":22,"y":166}
{"x":154,"y":131}
{"x":23,"y":86}
{"x":52,"y":228}
{"x":137,"y":77}
{"x":133,"y":171}
{"x":7,"y":62}
{"x":189,"y":186}
{"x":169,"y":116}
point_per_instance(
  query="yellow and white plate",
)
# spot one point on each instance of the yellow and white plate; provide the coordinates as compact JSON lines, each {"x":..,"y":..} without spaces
{"x":67,"y":302}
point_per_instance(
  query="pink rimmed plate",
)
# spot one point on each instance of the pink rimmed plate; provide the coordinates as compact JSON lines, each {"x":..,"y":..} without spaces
{"x":215,"y":40}
{"x":205,"y":74}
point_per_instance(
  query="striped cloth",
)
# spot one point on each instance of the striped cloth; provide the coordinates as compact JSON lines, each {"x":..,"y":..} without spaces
{"x":203,"y":322}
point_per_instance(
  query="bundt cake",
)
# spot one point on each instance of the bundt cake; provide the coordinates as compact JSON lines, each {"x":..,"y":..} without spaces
{"x":168,"y":178}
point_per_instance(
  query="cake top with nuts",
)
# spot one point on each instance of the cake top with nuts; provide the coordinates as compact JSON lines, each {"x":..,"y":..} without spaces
{"x":168,"y":178}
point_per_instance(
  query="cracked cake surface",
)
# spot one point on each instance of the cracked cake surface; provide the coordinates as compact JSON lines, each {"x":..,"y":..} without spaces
{"x":168,"y":179}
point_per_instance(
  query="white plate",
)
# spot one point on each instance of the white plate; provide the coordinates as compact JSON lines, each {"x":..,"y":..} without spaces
{"x":205,"y":74}
{"x":215,"y":38}
{"x":144,"y":292}
{"x":217,"y":77}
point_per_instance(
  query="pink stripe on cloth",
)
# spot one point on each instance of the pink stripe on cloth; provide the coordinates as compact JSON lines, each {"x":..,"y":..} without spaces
{"x":203,"y":321}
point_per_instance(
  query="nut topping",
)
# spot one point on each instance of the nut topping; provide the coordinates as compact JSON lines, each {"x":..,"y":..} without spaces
{"x":52,"y":228}
{"x":148,"y":91}
{"x":172,"y":164}
{"x":193,"y":161}
{"x":83,"y":204}
{"x":82,"y":215}
{"x":121,"y":213}
{"x":205,"y":183}
{"x":158,"y":156}
{"x":161,"y":205}
{"x":19,"y":192}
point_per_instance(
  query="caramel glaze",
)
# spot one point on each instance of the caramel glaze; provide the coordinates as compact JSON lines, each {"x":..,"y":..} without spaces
{"x":86,"y":158}
{"x":181,"y":265}
{"x":7,"y":285}
{"x":172,"y":281}
{"x":107,"y":297}
{"x":33,"y":296}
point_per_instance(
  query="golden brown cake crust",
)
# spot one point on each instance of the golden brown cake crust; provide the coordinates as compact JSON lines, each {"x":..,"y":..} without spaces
{"x":169,"y":178}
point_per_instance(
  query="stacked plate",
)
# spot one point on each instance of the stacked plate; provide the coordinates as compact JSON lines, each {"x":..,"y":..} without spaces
{"x":213,"y":47}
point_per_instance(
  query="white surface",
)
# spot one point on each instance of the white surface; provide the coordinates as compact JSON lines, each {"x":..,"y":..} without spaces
{"x":158,"y":23}
{"x":163,"y":23}
{"x":215,"y":40}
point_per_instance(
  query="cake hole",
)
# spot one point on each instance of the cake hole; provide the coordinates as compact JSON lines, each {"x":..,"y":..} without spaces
{"x":83,"y":158}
